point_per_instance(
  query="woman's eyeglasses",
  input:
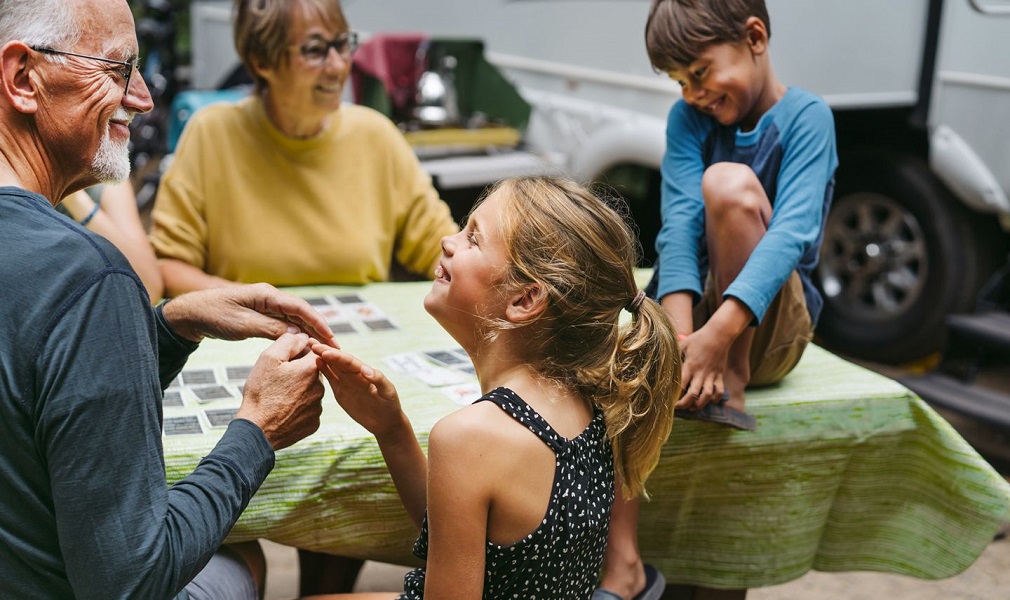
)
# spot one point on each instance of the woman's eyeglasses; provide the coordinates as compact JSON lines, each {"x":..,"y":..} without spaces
{"x":316,"y":50}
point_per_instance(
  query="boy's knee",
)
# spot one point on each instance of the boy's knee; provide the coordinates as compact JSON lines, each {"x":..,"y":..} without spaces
{"x":732,"y":186}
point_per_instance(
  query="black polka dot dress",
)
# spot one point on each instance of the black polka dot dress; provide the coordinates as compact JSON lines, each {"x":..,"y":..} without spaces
{"x":562,"y":557}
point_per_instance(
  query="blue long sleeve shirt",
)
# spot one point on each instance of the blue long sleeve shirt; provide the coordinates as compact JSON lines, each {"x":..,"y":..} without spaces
{"x":85,"y":510}
{"x":792,"y":152}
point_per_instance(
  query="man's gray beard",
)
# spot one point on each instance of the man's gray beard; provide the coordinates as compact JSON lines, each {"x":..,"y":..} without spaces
{"x":112,"y":160}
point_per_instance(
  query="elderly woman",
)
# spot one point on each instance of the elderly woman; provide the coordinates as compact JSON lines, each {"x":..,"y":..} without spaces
{"x":289,"y":186}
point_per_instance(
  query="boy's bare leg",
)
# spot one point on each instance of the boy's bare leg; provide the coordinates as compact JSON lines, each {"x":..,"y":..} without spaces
{"x":738,"y":369}
{"x":623,"y":571}
{"x":737,"y":212}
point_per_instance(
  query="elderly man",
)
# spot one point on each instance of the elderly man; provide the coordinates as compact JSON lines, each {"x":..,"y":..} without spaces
{"x":84,"y":508}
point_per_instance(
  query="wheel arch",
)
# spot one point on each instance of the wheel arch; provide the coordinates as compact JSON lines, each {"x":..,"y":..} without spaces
{"x":640,"y":141}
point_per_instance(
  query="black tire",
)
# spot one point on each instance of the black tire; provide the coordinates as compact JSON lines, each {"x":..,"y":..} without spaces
{"x":899,"y":254}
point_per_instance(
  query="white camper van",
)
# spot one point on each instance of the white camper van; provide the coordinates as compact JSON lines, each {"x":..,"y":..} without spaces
{"x":921,"y":95}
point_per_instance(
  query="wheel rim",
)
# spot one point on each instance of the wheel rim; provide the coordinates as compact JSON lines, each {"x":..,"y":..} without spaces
{"x":874,"y":262}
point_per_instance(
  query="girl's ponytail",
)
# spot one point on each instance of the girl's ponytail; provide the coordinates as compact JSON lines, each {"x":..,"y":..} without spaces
{"x":644,"y":384}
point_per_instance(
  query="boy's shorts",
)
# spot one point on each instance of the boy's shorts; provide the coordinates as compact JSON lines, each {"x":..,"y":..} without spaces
{"x":781,"y":337}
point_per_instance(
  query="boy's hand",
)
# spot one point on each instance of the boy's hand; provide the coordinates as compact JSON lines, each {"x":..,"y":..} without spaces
{"x":702,"y":370}
{"x":706,"y":354}
{"x":363,"y":392}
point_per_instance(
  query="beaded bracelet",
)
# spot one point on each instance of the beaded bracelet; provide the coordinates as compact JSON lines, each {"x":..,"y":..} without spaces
{"x":91,"y":215}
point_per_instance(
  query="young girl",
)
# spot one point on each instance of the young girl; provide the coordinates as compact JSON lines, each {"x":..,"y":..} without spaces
{"x":518,"y":486}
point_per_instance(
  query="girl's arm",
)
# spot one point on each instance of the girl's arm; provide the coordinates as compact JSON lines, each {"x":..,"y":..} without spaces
{"x":461,"y":483}
{"x":455,"y":482}
{"x":117,"y":220}
{"x":370,"y":399}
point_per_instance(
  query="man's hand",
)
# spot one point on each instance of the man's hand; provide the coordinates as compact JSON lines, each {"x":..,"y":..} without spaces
{"x":283,"y":394}
{"x":237,"y":313}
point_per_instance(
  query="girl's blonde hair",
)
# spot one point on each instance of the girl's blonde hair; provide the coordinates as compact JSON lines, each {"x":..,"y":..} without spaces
{"x":581,"y":253}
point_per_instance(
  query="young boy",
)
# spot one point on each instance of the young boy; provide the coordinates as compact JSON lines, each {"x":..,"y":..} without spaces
{"x":748,"y":176}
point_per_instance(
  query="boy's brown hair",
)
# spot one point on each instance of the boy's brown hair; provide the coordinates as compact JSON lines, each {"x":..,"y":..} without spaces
{"x":678,"y":31}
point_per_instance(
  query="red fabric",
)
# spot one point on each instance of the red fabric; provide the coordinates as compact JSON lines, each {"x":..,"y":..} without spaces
{"x":391,"y":59}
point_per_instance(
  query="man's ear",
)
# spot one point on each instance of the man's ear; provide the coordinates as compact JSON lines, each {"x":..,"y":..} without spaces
{"x":16,"y":83}
{"x":527,"y":304}
{"x":756,"y":34}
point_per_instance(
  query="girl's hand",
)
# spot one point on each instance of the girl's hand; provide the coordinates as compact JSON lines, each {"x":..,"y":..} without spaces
{"x":363,"y":392}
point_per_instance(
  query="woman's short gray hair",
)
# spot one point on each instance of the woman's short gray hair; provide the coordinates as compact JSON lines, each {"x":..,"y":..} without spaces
{"x":50,"y":23}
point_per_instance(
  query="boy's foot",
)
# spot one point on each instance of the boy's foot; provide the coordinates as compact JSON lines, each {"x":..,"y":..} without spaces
{"x":721,"y":413}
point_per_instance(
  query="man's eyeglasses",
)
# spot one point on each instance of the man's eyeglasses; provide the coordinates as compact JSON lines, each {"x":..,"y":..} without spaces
{"x":316,"y":50}
{"x":125,"y":70}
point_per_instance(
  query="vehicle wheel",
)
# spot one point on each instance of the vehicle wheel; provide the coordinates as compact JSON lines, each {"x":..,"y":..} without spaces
{"x":899,"y":254}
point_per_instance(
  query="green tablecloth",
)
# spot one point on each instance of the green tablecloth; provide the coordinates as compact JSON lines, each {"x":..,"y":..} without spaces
{"x":847,"y":471}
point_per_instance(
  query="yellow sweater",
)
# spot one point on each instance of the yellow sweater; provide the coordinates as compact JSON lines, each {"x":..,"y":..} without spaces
{"x":245,"y":202}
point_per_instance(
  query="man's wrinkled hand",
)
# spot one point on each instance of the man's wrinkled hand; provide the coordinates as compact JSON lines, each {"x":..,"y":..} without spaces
{"x":283,"y":394}
{"x":237,"y":313}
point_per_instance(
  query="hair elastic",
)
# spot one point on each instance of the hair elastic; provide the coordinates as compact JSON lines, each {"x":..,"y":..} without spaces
{"x":636,"y":302}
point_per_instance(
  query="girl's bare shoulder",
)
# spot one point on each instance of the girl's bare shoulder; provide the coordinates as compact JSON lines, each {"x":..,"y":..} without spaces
{"x":476,"y":428}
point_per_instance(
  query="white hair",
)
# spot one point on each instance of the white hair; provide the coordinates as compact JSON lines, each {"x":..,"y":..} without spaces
{"x":50,"y":23}
{"x":112,"y":159}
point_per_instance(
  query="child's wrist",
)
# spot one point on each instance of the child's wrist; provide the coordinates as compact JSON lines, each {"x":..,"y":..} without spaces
{"x":396,"y":434}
